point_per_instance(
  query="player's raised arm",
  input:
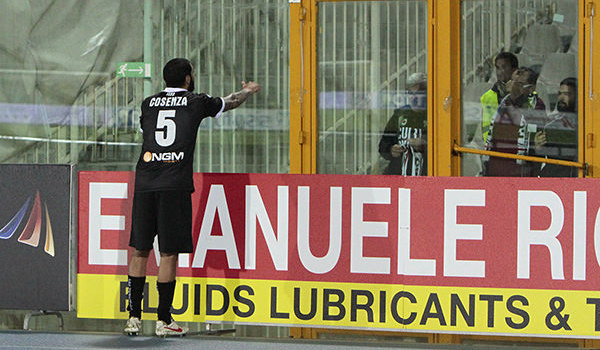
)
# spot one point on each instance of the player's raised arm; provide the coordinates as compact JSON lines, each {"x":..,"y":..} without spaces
{"x":235,"y":99}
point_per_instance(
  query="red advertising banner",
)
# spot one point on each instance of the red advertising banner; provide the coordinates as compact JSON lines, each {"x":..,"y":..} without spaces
{"x":373,"y":252}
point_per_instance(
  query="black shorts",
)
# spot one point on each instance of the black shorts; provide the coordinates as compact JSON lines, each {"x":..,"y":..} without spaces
{"x":166,"y":213}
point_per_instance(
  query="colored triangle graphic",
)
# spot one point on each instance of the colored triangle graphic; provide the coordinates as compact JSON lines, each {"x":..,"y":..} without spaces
{"x":7,"y":231}
{"x":31,"y":232}
{"x":49,"y":246}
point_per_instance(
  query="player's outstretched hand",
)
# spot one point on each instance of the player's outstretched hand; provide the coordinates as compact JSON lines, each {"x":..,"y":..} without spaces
{"x":251,"y":87}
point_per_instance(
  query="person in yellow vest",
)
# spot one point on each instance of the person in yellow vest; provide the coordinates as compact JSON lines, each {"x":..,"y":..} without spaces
{"x":506,"y":63}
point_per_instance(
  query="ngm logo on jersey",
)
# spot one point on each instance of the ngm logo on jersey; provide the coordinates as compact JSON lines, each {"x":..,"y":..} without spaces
{"x":32,"y":231}
{"x":168,"y":157}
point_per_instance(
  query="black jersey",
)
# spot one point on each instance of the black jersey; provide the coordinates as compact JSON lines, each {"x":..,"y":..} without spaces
{"x":169,"y":122}
{"x":405,"y":124}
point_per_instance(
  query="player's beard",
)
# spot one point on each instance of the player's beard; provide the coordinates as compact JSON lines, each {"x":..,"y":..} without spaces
{"x":562,"y":107}
{"x":191,"y":87}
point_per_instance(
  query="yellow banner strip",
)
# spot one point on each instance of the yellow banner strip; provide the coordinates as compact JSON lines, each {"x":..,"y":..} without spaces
{"x":547,"y":313}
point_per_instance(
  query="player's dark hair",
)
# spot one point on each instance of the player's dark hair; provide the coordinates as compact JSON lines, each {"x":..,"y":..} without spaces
{"x":570,"y":82}
{"x":508,"y":56}
{"x":176,"y":70}
{"x":532,"y":75}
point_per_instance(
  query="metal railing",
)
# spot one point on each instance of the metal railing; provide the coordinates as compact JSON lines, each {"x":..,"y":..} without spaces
{"x":461,"y":149}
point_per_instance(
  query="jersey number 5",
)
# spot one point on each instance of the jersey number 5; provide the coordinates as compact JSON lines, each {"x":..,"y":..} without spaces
{"x":165,"y":128}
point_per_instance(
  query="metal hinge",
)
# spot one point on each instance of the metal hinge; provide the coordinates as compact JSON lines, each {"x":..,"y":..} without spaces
{"x":589,"y":141}
{"x":302,"y":13}
{"x":301,"y":137}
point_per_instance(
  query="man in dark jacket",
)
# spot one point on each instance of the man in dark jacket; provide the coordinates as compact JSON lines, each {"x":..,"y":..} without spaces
{"x":558,"y":139}
{"x":404,"y":140}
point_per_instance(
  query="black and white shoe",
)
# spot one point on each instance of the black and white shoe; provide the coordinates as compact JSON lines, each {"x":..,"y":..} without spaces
{"x":163,"y":329}
{"x":133,"y":326}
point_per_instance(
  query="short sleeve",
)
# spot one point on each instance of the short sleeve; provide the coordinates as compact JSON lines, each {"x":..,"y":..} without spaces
{"x":213,"y":106}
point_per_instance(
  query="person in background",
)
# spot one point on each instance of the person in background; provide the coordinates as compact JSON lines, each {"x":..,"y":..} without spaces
{"x":514,"y":126}
{"x":506,"y":64}
{"x":558,"y":139}
{"x":404,"y":140}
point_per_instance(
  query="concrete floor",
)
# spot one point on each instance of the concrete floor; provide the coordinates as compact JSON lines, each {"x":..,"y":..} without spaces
{"x":66,"y":340}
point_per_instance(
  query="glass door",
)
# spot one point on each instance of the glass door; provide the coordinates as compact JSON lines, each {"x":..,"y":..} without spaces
{"x":519,"y":61}
{"x":372,"y":87}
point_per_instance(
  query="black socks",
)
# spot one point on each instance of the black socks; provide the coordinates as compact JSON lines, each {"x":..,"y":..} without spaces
{"x":166,"y":290}
{"x":135,"y":295}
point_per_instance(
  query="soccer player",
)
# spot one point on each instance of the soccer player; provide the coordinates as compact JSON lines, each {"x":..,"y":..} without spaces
{"x":163,"y":185}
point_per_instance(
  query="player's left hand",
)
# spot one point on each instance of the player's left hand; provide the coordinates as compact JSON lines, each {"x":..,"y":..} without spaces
{"x":251,"y":87}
